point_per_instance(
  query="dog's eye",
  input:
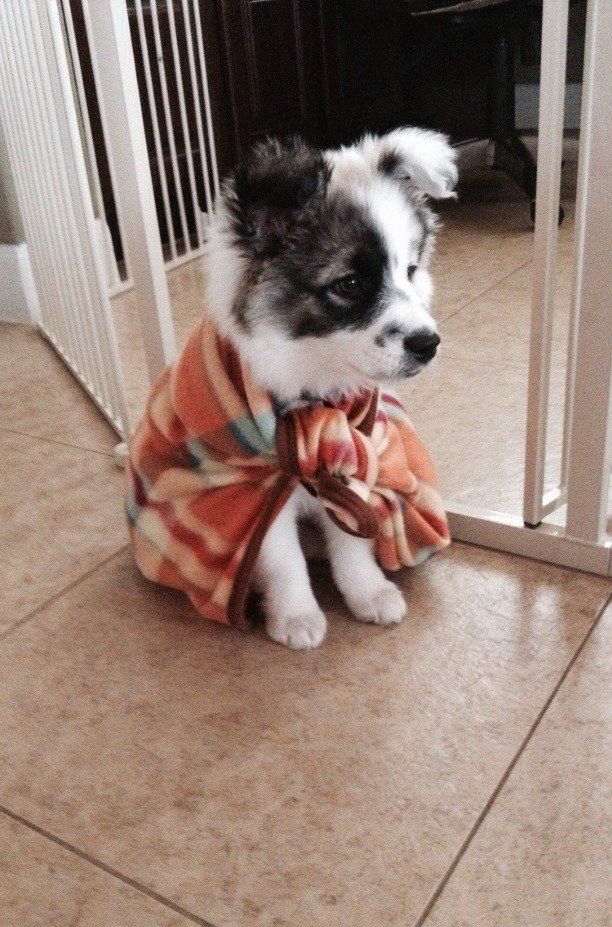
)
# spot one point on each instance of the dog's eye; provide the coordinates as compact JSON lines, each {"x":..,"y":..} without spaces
{"x":412,"y":268}
{"x":347,"y":287}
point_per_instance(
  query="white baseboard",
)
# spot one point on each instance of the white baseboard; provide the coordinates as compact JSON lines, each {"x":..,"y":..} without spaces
{"x":570,"y":146}
{"x":18,"y":297}
{"x":528,"y":102}
{"x":473,"y":154}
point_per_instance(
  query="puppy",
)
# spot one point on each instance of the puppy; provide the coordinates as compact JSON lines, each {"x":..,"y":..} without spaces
{"x":318,"y":275}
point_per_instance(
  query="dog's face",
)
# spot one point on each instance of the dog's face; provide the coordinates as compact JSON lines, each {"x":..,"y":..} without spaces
{"x":320,"y":271}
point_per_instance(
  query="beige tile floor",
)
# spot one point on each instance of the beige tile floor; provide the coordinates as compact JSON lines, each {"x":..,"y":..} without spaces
{"x":158,"y":770}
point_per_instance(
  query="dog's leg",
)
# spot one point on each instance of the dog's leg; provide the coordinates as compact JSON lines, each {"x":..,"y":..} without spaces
{"x":293,"y":616}
{"x":365,"y":588}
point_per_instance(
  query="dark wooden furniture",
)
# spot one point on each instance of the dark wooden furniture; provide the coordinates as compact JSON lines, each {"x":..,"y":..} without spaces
{"x":331,"y":69}
{"x":267,"y":63}
{"x":447,"y":64}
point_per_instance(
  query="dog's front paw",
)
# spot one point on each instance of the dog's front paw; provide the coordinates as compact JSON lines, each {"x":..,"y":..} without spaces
{"x":386,"y":605}
{"x":300,"y":632}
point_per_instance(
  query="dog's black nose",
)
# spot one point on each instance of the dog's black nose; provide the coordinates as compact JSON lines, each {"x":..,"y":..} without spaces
{"x":423,"y":344}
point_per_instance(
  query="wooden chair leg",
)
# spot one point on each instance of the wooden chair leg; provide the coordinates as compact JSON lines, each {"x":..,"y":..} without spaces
{"x":510,"y":153}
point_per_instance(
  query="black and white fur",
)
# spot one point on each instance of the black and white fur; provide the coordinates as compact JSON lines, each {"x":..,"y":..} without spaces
{"x":318,"y":274}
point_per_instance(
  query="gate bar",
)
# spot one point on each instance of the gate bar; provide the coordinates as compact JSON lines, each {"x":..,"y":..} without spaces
{"x":163,"y":83}
{"x":182,"y":106}
{"x":198,"y":108}
{"x":87,"y":329}
{"x":77,"y":73}
{"x":111,"y":47}
{"x":93,"y":265}
{"x":159,"y":151}
{"x":207,"y":107}
{"x":589,"y":449}
{"x":550,"y":149}
{"x":579,"y":226}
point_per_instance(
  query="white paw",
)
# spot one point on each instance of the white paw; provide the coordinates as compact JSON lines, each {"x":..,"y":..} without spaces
{"x":385,"y":606}
{"x":300,"y":632}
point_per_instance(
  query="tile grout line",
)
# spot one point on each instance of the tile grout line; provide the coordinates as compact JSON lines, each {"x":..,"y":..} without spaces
{"x":509,"y":770}
{"x":57,"y":595}
{"x":64,"y":844}
{"x":77,"y":447}
{"x":487,"y":289}
{"x":109,"y":870}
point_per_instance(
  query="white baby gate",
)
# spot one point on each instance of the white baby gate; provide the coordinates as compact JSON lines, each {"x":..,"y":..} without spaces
{"x":44,"y":113}
{"x":189,"y":188}
{"x":582,"y":541}
{"x":44,"y":144}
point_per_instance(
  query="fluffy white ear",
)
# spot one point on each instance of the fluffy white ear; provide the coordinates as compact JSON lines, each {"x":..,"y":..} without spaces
{"x":424,"y":157}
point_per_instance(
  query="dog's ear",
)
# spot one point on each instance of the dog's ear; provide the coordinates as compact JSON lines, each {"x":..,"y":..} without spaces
{"x":421,"y":157}
{"x":281,"y":182}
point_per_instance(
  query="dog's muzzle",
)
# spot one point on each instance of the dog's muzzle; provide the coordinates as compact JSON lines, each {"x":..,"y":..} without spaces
{"x":422,"y":345}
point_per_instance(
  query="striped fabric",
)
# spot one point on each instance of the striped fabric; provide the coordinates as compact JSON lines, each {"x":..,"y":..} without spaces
{"x":212,"y":464}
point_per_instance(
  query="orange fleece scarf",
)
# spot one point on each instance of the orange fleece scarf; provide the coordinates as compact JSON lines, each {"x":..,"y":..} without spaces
{"x":212,"y":463}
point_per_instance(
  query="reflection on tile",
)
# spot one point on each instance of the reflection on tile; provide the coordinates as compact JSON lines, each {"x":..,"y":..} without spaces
{"x":478,"y":245}
{"x":60,"y":515}
{"x":187,"y":295}
{"x":186,"y":287}
{"x":260,"y":787}
{"x":43,"y":885}
{"x":542,"y":855}
{"x":132,"y":353}
{"x":470,"y":407}
{"x":38,"y":395}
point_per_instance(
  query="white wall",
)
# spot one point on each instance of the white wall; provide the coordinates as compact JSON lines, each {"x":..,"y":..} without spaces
{"x":527,"y":107}
{"x":11,"y":230}
{"x":17,"y":291}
